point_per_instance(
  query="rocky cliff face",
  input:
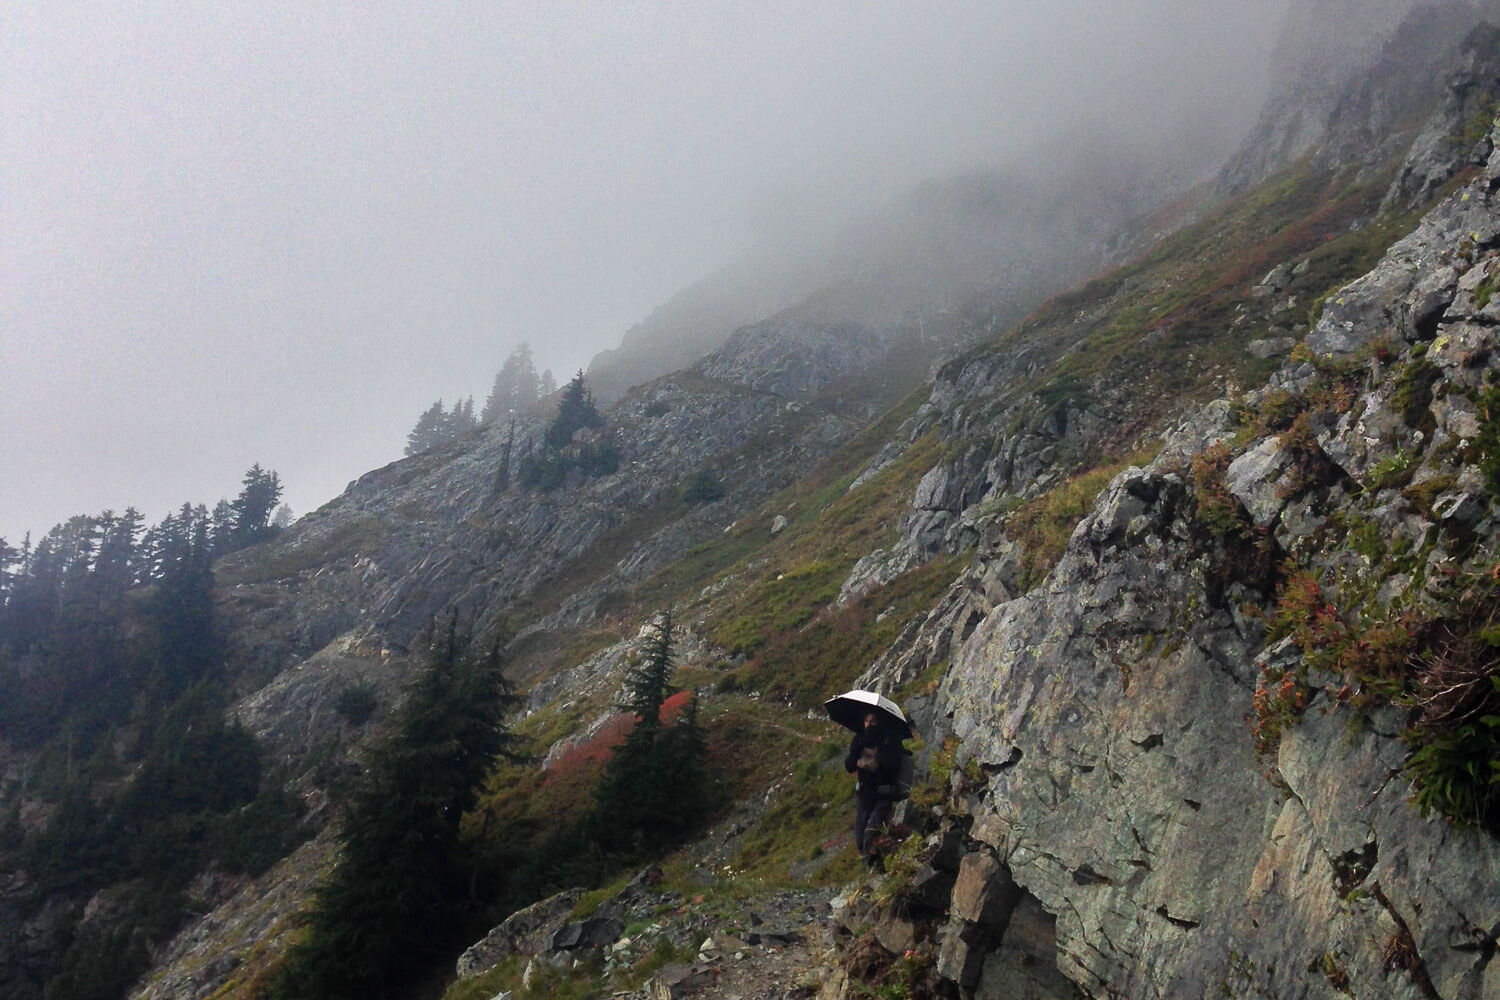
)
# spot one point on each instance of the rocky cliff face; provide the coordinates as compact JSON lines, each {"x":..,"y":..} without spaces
{"x":1109,"y":715}
{"x":345,"y":592}
{"x":1355,"y":81}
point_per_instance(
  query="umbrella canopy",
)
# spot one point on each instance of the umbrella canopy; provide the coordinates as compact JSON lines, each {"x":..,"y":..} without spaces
{"x":849,"y":710}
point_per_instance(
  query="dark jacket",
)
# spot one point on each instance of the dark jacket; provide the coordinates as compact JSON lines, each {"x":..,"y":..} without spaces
{"x":888,"y":759}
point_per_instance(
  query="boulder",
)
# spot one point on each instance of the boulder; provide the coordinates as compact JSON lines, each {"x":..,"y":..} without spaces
{"x":595,"y":932}
{"x":673,"y":982}
{"x":1256,"y":479}
{"x":984,"y":892}
{"x":526,"y":931}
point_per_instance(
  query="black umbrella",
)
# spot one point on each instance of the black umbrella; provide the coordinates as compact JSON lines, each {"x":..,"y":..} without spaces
{"x":850,"y":708}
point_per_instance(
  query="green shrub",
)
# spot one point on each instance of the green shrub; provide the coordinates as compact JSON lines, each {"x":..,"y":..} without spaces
{"x":356,"y":703}
{"x":1487,"y":444}
{"x":703,"y":488}
{"x":1391,"y":472}
{"x":1456,"y":772}
{"x":1413,"y":394}
{"x":1044,"y":525}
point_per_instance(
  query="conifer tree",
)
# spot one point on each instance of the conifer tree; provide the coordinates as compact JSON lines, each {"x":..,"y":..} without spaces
{"x":649,"y":684}
{"x":390,"y":905}
{"x":221,"y":527}
{"x":655,"y":789}
{"x":462,"y":419}
{"x":430,"y":431}
{"x":10,"y":561}
{"x":254,"y":506}
{"x":515,"y":387}
{"x":575,"y":411}
{"x":183,"y":605}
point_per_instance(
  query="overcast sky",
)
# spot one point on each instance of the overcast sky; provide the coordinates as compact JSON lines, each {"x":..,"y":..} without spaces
{"x":262,"y":232}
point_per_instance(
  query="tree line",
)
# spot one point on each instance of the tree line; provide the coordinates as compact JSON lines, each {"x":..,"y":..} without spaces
{"x":411,"y":887}
{"x":111,"y":681}
{"x":516,"y":388}
{"x":571,"y":449}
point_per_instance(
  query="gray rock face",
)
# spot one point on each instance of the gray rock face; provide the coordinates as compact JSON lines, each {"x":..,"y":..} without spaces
{"x":1352,"y":73}
{"x":1256,"y":480}
{"x":437,"y":532}
{"x":1403,"y":296}
{"x":1108,"y":707}
{"x":790,"y":358}
{"x":526,"y":931}
{"x":1447,"y":143}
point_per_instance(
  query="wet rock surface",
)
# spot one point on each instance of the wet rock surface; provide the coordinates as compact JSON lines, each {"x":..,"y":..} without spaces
{"x":1107,"y":708}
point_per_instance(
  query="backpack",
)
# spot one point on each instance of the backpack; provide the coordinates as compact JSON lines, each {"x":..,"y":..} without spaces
{"x":905,"y":773}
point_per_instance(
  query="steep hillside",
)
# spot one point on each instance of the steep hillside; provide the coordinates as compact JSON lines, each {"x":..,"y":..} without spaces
{"x":1355,"y":80}
{"x":1187,"y":580}
{"x":1242,"y":737}
{"x":1007,"y":237}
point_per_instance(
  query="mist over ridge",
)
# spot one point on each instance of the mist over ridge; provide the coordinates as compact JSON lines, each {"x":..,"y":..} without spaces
{"x":278,"y":237}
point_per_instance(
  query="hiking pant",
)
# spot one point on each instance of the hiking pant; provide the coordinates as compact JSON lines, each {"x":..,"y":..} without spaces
{"x":868,"y":819}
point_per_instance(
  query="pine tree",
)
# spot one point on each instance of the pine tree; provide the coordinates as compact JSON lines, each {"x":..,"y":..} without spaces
{"x":546,"y":384}
{"x":430,"y":431}
{"x":575,"y":411}
{"x":221,"y":527}
{"x":515,"y":387}
{"x":254,"y":506}
{"x":388,"y":908}
{"x":10,"y":562}
{"x":182,"y":606}
{"x":649,"y":684}
{"x":462,"y":419}
{"x":654,"y":790}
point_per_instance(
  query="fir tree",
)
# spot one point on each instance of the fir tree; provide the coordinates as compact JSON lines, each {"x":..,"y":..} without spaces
{"x":654,"y":791}
{"x":515,"y":388}
{"x":254,"y":506}
{"x":391,"y":904}
{"x":183,"y":604}
{"x":221,"y":527}
{"x":462,"y":420}
{"x":575,"y":411}
{"x":649,"y":683}
{"x":10,"y":561}
{"x":430,"y":431}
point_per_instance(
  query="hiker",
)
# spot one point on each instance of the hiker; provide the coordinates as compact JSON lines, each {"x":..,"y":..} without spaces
{"x":875,"y":759}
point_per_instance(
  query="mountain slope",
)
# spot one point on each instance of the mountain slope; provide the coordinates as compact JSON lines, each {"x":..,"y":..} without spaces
{"x":1091,"y":639}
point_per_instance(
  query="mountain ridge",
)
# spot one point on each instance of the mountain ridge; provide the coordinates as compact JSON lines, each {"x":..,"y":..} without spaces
{"x":1079,"y":613}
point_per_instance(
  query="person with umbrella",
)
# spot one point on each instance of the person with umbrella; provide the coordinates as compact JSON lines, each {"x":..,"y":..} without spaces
{"x":874,"y":759}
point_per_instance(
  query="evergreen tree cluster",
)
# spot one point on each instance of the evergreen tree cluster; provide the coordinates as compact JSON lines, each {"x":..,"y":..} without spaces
{"x":437,"y":427}
{"x":564,"y":450}
{"x":109,"y":682}
{"x":406,"y":878}
{"x":516,"y":388}
{"x":104,"y":607}
{"x":655,"y":792}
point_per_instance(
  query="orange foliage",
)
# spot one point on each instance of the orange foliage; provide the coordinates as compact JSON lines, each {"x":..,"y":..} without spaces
{"x":673,"y":707}
{"x":591,"y":756}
